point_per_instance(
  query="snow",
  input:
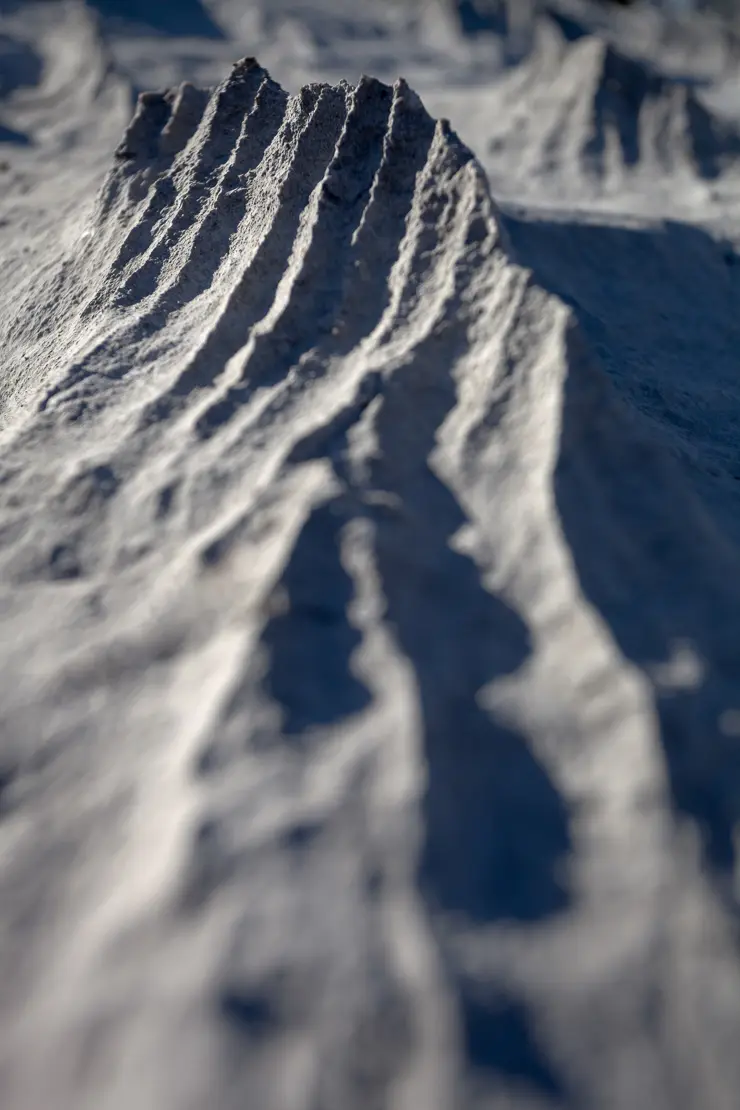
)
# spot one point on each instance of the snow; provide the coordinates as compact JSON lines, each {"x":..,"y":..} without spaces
{"x":369,"y":523}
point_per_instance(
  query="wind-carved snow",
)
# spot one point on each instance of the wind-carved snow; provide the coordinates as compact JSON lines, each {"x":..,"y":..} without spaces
{"x":580,"y":119}
{"x":342,"y":763}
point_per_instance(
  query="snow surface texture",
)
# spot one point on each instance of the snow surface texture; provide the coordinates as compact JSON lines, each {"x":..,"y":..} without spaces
{"x":370,"y":596}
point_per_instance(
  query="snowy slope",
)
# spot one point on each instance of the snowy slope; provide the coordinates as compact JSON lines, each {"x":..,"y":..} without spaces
{"x":370,"y":688}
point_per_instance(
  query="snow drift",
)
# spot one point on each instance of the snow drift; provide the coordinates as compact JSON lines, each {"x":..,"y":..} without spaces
{"x":582,"y":114}
{"x":368,"y":678}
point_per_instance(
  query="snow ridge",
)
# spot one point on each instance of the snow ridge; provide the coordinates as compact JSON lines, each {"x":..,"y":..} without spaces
{"x":346,"y":774}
